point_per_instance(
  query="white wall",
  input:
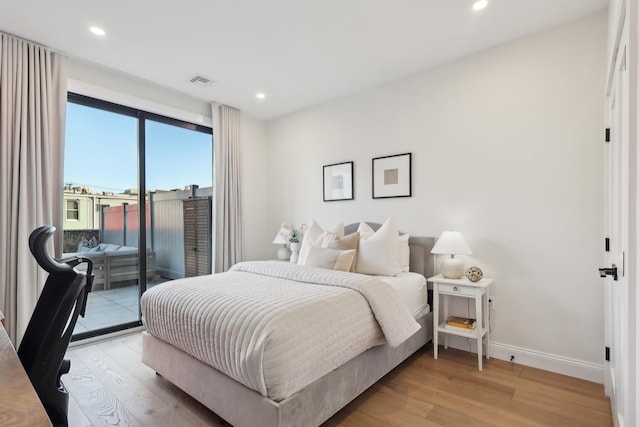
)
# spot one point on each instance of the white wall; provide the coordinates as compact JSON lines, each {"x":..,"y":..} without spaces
{"x":634,"y":394}
{"x":255,"y":198}
{"x":507,"y":147}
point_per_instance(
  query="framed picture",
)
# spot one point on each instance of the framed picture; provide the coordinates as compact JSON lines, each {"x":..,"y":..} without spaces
{"x":391,"y":176}
{"x":337,"y":182}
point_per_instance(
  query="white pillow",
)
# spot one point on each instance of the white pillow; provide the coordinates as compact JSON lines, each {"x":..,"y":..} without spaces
{"x":333,"y":259}
{"x":404,"y":253}
{"x":365,"y":230}
{"x":317,"y":236}
{"x":378,"y":253}
{"x":314,"y":229}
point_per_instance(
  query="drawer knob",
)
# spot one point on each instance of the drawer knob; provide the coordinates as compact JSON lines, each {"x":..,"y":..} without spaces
{"x":455,"y":288}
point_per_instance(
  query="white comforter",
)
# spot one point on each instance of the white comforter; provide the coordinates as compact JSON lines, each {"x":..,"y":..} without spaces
{"x":276,"y":327}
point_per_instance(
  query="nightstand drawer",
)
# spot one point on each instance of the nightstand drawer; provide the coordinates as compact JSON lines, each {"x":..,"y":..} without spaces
{"x":444,"y":288}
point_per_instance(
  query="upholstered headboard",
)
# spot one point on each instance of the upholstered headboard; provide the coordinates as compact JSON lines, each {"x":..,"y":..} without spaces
{"x":421,"y":261}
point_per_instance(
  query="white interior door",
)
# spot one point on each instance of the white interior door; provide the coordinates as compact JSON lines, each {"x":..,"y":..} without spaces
{"x":617,"y":218}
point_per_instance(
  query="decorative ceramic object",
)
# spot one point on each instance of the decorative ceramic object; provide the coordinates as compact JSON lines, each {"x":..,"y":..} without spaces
{"x":295,"y":251}
{"x":473,"y":274}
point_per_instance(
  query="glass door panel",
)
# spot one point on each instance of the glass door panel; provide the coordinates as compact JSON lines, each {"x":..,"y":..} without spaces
{"x":100,"y":203}
{"x":178,"y":180}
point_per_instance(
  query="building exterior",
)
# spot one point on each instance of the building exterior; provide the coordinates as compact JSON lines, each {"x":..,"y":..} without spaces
{"x":82,"y":206}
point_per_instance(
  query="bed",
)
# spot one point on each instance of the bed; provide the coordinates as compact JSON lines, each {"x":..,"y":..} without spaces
{"x":321,"y":380}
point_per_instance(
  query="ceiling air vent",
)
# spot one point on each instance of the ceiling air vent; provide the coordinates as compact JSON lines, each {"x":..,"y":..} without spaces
{"x":201,"y":81}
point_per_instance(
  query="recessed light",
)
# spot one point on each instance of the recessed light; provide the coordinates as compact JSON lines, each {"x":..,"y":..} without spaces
{"x":480,"y":4}
{"x":97,"y":31}
{"x":260,"y":95}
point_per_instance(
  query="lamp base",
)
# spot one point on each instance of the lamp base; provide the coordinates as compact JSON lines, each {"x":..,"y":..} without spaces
{"x":452,"y":268}
{"x":284,"y":253}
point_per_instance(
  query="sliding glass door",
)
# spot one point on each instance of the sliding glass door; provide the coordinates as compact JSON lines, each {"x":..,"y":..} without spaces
{"x":179,"y":178}
{"x":137,"y":201}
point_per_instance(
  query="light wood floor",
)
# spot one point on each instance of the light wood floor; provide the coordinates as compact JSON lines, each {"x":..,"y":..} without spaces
{"x":109,"y":386}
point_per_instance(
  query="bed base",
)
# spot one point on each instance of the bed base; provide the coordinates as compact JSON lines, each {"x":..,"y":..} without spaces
{"x":311,"y":406}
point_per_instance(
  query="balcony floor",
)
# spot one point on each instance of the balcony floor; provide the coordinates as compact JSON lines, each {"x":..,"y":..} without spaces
{"x":111,"y":307}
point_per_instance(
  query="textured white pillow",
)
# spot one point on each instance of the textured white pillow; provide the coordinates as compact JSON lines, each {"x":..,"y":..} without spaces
{"x":317,"y":236}
{"x":347,"y":242}
{"x":333,"y":259}
{"x":378,"y":253}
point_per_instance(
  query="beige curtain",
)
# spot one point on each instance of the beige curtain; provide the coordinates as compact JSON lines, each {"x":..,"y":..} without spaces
{"x":32,"y":116}
{"x":227,"y":221}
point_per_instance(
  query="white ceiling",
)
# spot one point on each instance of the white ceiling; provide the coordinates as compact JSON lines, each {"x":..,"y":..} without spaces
{"x":298,"y":52}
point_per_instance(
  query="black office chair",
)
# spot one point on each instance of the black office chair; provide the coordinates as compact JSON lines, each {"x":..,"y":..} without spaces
{"x":45,"y":342}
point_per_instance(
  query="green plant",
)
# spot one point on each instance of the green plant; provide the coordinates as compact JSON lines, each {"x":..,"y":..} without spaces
{"x":294,"y":234}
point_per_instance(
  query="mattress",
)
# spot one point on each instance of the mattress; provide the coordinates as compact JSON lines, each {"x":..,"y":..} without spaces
{"x":412,"y":288}
{"x":277,"y":327}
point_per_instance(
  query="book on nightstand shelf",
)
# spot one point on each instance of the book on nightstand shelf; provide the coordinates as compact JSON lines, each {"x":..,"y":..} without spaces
{"x":460,"y":324}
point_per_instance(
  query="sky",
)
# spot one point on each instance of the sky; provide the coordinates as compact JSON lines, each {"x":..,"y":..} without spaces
{"x":101,"y":152}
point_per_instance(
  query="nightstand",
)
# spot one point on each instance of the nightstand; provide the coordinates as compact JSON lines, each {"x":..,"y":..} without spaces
{"x":466,"y":289}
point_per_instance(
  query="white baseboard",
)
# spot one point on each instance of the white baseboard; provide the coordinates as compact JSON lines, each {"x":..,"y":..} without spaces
{"x":549,"y":362}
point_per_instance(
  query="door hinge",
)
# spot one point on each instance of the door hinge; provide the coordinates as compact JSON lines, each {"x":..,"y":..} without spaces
{"x":607,"y":354}
{"x":606,"y":244}
{"x":607,"y":135}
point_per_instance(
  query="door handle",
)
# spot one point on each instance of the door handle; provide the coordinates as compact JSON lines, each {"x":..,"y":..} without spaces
{"x":613,"y":271}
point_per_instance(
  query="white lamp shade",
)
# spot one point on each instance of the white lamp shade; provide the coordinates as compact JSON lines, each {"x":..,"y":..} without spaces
{"x":279,"y":239}
{"x":451,"y":243}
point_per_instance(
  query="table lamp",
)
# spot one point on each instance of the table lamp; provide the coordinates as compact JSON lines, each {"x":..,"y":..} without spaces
{"x":451,"y":243}
{"x":283,"y":252}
